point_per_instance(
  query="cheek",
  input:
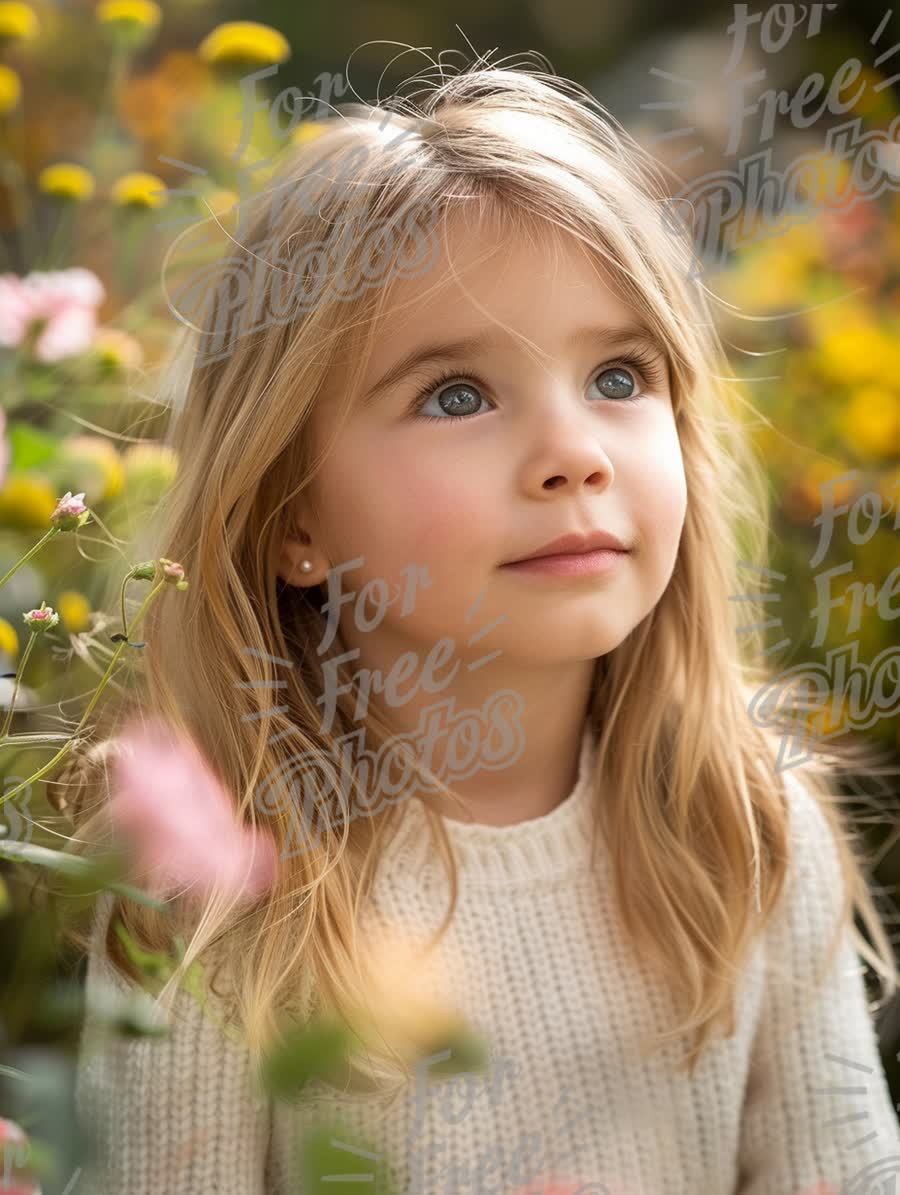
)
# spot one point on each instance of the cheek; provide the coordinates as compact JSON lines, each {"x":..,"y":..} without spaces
{"x":396,"y":510}
{"x":659,"y":493}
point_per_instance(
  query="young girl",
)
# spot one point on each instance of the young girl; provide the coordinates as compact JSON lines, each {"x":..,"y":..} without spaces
{"x":606,"y":870}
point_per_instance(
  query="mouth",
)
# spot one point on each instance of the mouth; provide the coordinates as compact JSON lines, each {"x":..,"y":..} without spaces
{"x":571,"y":564}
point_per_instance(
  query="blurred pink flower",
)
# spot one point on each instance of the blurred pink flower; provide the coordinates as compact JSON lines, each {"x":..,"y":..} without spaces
{"x":179,"y":820}
{"x":13,"y":1145}
{"x":67,"y":300}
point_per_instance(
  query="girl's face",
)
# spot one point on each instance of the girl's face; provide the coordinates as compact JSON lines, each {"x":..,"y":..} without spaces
{"x":545,"y":442}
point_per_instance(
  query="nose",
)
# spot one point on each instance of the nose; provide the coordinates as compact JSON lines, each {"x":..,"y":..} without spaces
{"x":569,"y":453}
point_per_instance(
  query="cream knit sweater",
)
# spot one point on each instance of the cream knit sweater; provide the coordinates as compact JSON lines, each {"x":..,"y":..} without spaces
{"x":796,"y":1097}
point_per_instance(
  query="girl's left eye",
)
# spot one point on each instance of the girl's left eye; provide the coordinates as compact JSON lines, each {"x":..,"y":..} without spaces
{"x":647,"y":368}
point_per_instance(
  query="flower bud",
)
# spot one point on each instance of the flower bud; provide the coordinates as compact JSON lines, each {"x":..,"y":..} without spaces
{"x":173,"y":573}
{"x":42,"y":619}
{"x":70,"y":512}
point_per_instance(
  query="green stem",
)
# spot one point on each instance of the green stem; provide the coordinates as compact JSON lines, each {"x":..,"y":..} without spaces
{"x":32,"y":552}
{"x":9,"y":713}
{"x":102,"y":685}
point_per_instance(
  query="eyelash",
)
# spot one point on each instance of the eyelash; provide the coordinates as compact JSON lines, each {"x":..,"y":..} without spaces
{"x":645,"y":364}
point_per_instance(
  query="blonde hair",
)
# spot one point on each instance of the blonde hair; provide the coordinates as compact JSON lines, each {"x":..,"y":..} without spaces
{"x":694,"y":814}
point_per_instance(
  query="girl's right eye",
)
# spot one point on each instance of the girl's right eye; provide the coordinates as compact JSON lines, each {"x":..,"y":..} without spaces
{"x":462,"y":396}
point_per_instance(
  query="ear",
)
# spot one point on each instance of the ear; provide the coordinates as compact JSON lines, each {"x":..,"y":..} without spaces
{"x":289,"y":558}
{"x":298,"y":546}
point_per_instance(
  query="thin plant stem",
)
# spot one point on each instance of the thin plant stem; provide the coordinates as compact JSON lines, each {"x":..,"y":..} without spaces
{"x":9,"y":713}
{"x":32,"y":552}
{"x":112,"y":663}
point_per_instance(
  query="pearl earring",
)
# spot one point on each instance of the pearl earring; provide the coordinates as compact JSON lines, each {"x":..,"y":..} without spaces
{"x":306,"y":566}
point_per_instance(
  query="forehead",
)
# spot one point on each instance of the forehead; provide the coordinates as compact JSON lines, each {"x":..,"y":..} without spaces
{"x":494,"y":268}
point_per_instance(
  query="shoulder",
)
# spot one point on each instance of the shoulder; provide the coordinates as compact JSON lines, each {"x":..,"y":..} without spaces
{"x":814,"y":905}
{"x":189,"y":1003}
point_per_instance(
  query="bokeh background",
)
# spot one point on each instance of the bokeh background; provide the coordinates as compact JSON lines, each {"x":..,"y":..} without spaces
{"x":119,"y":124}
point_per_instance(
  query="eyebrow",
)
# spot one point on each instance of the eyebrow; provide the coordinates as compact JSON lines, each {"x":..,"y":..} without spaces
{"x":459,"y":350}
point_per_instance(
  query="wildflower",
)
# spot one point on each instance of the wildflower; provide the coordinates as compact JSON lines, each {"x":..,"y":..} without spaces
{"x":871,"y":421}
{"x":139,"y":189}
{"x":18,"y":22}
{"x":307,"y":130}
{"x":27,"y":502}
{"x":403,"y":1002}
{"x":221,"y":201}
{"x":10,"y":89}
{"x":94,"y":464}
{"x":179,"y":820}
{"x":61,"y":302}
{"x":149,"y":469}
{"x":244,"y":42}
{"x":9,"y":640}
{"x":71,"y":512}
{"x":117,"y":350}
{"x":131,"y":22}
{"x":75,"y":611}
{"x":173,"y":573}
{"x":14,"y":1150}
{"x":41,"y":620}
{"x":67,"y":180}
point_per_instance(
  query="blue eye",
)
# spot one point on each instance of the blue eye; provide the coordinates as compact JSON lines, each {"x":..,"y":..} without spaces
{"x":463,"y":399}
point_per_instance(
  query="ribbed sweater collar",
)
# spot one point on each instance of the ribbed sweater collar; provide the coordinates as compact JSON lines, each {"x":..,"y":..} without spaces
{"x":527,"y":853}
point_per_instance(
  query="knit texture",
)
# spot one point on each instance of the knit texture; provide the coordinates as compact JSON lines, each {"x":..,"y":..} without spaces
{"x":537,"y":960}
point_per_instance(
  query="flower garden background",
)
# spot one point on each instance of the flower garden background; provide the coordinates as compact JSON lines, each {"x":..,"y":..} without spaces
{"x":119,"y":126}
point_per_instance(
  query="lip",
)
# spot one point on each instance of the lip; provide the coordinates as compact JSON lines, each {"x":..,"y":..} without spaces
{"x":574,"y":545}
{"x":577,"y":564}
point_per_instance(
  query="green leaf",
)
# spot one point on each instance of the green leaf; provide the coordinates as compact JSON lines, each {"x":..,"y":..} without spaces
{"x":307,"y":1051}
{"x":330,"y":1154}
{"x":30,"y":447}
{"x":468,"y":1053}
{"x":155,"y":963}
{"x":85,"y":874}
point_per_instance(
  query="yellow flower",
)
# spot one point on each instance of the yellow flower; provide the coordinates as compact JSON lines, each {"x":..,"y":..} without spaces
{"x":67,"y":180}
{"x":139,"y":189}
{"x":117,"y":349}
{"x":10,"y":89}
{"x":307,"y":130}
{"x":802,"y":497}
{"x":859,"y":352}
{"x":871,"y":421}
{"x":405,"y":1004}
{"x":27,"y":501}
{"x":221,"y":200}
{"x":150,"y":468}
{"x":244,"y":42}
{"x":820,"y":724}
{"x":18,"y":22}
{"x":134,"y":21}
{"x":91,"y":465}
{"x":74,"y":610}
{"x":9,"y":640}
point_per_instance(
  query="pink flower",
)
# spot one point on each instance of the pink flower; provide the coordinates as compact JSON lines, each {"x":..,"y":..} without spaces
{"x":66,"y":302}
{"x":13,"y":1156}
{"x":179,"y":820}
{"x":70,"y":512}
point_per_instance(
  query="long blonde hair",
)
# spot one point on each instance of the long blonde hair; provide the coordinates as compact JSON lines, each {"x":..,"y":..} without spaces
{"x":694,"y":805}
